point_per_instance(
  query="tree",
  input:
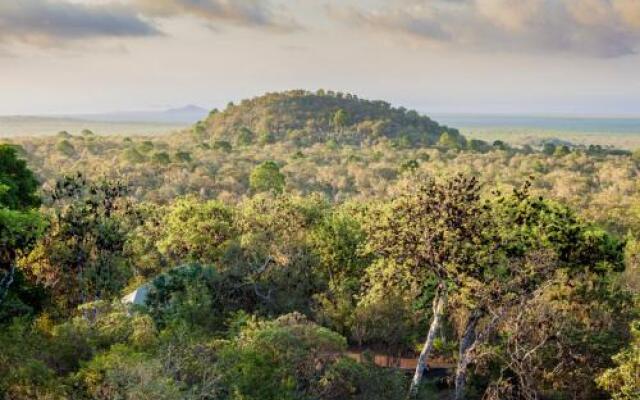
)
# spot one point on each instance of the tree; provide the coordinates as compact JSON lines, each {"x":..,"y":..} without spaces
{"x":183,"y":156}
{"x":65,"y":147}
{"x":449,"y":140}
{"x":81,"y":257}
{"x":549,"y":148}
{"x":544,"y":248}
{"x":267,"y":177}
{"x":636,"y":155}
{"x":439,"y":231}
{"x":282,"y":359}
{"x":223,"y":146}
{"x":245,"y":137}
{"x":623,"y":381}
{"x":341,"y":119}
{"x":19,"y":224}
{"x":18,"y":185}
{"x":195,"y":231}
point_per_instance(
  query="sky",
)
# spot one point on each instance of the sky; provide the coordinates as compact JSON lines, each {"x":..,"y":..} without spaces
{"x":578,"y":57}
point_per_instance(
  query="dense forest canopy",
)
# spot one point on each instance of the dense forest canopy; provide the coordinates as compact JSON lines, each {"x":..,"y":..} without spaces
{"x":279,"y":248}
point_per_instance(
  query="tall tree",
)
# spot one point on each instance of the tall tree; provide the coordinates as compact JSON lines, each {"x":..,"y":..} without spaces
{"x":81,"y":257}
{"x":19,"y":224}
{"x":439,"y":230}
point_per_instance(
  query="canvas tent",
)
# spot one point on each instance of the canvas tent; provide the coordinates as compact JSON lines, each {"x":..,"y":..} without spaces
{"x":137,"y":297}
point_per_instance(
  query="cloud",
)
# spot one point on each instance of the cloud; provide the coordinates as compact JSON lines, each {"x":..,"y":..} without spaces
{"x":55,"y":23}
{"x":601,"y":28}
{"x":250,"y":13}
{"x":51,"y":23}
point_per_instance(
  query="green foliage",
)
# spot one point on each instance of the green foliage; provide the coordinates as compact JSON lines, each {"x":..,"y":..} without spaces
{"x":81,"y":256}
{"x":161,"y":157}
{"x":317,"y":115}
{"x":623,"y":381}
{"x":267,"y":177}
{"x":549,"y":149}
{"x":196,"y":231}
{"x":133,"y":156}
{"x":19,"y":231}
{"x":18,"y":185}
{"x":337,"y":240}
{"x":222,"y":145}
{"x":410,"y":166}
{"x":182,"y":156}
{"x":245,"y":137}
{"x":451,"y":140}
{"x":145,"y":146}
{"x":479,"y":146}
{"x":341,"y":119}
{"x":279,"y":359}
{"x":66,"y":148}
{"x":123,"y":373}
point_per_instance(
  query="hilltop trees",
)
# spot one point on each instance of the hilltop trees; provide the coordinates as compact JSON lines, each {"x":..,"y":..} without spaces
{"x":274,"y":115}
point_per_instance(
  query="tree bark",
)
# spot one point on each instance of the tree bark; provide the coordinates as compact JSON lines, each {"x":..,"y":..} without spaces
{"x":467,"y":342}
{"x":5,"y":283}
{"x":439,"y":306}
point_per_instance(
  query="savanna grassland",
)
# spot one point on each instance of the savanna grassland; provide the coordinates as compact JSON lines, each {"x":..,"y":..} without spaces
{"x":279,"y":233}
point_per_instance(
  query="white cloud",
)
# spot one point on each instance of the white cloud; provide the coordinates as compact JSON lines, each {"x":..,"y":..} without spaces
{"x":603,"y":28}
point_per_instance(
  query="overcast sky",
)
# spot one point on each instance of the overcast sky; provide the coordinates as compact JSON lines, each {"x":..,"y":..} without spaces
{"x":458,"y":56}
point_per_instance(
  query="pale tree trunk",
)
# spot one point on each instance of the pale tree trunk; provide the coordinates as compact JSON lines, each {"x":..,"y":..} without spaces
{"x":439,"y":306}
{"x":467,"y":341}
{"x":468,"y":344}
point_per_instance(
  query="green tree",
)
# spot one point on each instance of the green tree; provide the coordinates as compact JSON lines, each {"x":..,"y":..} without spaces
{"x":245,"y":137}
{"x":19,"y":224}
{"x":623,"y":381}
{"x":161,"y":157}
{"x":133,"y":156}
{"x":65,"y":147}
{"x":549,"y":149}
{"x":438,"y":230}
{"x":267,"y":177}
{"x":341,"y":119}
{"x":18,"y":185}
{"x":182,"y":156}
{"x":222,"y":145}
{"x":448,"y":140}
{"x":81,"y":256}
{"x":195,"y":231}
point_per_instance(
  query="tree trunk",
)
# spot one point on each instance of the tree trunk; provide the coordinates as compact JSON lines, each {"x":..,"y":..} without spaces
{"x":467,"y":341}
{"x":439,"y":306}
{"x":5,"y":283}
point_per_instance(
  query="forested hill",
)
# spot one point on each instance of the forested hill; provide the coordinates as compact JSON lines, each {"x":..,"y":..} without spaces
{"x":305,"y":117}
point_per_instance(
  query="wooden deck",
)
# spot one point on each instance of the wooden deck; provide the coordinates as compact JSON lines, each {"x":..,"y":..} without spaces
{"x":405,"y":364}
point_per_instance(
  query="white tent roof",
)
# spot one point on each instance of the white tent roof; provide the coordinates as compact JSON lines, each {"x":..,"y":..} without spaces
{"x":138,"y":296}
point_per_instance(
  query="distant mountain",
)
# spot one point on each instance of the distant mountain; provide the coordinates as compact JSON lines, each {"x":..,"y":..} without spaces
{"x":310,"y":117}
{"x":187,"y":115}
